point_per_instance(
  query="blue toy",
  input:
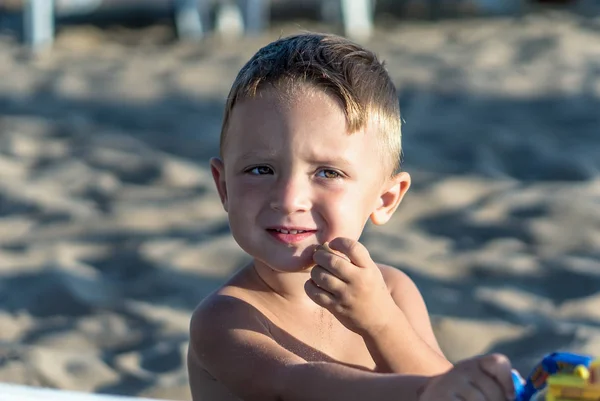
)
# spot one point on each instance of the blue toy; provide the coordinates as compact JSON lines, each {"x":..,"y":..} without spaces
{"x":556,"y":362}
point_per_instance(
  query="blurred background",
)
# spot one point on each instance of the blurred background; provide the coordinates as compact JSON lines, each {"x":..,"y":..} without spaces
{"x":111,"y":231}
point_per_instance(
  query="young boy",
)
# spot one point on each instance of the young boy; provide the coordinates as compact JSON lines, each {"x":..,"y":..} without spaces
{"x":310,"y":151}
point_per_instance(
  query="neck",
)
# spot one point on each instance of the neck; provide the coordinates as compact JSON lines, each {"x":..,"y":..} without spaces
{"x":289,"y":286}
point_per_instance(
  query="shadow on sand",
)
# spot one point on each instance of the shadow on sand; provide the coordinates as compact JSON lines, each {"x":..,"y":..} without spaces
{"x":448,"y":133}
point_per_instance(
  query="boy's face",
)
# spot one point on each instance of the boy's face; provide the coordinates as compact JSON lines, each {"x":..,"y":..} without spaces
{"x":292,"y":178}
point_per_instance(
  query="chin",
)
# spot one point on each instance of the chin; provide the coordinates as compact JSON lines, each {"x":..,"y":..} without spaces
{"x":284,"y":259}
{"x":288,"y":265}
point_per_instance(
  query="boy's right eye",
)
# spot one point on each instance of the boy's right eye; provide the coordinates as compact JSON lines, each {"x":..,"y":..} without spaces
{"x":259,"y":170}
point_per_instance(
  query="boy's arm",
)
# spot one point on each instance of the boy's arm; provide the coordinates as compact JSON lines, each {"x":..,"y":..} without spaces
{"x":231,"y":341}
{"x":408,"y":343}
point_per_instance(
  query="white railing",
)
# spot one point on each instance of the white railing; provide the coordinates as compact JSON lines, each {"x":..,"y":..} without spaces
{"x":13,"y":392}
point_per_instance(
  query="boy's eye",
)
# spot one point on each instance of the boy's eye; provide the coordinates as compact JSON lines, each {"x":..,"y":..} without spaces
{"x":260,"y":170}
{"x":328,"y":173}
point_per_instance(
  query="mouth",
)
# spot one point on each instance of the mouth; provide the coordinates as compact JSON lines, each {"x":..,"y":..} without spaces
{"x":292,"y":231}
{"x":290,"y":235}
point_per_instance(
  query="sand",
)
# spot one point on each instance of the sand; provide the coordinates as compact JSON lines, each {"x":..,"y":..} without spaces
{"x":111,"y":231}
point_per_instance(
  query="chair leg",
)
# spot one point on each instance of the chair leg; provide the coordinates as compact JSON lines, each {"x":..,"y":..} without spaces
{"x":255,"y":14}
{"x":188,"y":18}
{"x":331,"y":11}
{"x":358,"y":18}
{"x":38,"y":23}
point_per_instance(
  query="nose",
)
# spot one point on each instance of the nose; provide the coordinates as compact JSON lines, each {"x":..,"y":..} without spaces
{"x":290,"y":194}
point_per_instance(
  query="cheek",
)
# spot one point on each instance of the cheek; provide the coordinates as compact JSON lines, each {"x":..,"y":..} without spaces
{"x":243,"y":191}
{"x":342,"y":207}
{"x":350,"y":205}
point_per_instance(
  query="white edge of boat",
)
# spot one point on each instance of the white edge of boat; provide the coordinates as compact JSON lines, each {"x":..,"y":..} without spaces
{"x":15,"y":392}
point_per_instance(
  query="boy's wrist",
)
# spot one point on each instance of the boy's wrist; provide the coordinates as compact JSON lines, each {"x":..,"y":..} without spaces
{"x":396,"y":348}
{"x":380,"y":338}
{"x":390,"y":316}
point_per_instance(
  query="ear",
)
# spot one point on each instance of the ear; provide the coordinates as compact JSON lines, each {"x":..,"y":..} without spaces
{"x":217,"y":168}
{"x":393,"y":191}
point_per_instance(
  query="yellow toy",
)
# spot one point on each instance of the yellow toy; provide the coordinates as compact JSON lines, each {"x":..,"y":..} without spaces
{"x":583,"y":384}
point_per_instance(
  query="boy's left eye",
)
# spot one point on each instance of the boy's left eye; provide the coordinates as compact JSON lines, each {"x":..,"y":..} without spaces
{"x":328,"y":173}
{"x":259,"y":170}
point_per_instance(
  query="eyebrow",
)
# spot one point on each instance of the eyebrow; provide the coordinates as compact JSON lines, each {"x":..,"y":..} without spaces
{"x":313,"y":159}
{"x":251,"y":155}
{"x":337,"y":161}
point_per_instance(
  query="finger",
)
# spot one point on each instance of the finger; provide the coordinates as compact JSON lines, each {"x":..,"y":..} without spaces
{"x":470,"y":393}
{"x":334,"y":264}
{"x":463,"y":389}
{"x":327,"y":248}
{"x":489,"y":387}
{"x":354,"y":250}
{"x":327,"y":281}
{"x":319,"y":295}
{"x":498,"y":367}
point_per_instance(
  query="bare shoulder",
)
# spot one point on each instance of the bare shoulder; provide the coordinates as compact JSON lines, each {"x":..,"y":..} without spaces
{"x":221,"y":318}
{"x":222,"y":310}
{"x":409,"y":299}
{"x":211,"y":322}
{"x":230,"y":306}
{"x":403,"y":289}
{"x":396,"y":279}
{"x":226,"y":329}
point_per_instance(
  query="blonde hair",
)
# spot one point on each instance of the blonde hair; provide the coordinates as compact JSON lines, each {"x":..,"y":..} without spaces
{"x":336,"y":65}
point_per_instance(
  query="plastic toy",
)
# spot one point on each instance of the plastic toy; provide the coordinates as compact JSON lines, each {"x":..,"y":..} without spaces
{"x":561,"y":376}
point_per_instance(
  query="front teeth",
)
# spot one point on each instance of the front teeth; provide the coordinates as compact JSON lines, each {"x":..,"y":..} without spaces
{"x":290,"y":231}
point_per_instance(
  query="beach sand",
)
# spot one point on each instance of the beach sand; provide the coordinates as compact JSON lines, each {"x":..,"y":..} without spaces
{"x":111,"y":231}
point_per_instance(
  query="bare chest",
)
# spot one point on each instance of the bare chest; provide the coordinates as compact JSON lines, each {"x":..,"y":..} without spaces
{"x":319,"y":337}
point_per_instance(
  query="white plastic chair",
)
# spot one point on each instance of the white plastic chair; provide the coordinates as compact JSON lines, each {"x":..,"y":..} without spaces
{"x":357,"y":16}
{"x":38,"y":23}
{"x":39,"y":17}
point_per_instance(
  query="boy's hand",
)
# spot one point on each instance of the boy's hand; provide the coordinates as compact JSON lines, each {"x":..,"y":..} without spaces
{"x":350,"y":285}
{"x":486,"y":378}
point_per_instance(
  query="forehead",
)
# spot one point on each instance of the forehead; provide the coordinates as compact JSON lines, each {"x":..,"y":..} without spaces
{"x":275,"y":118}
